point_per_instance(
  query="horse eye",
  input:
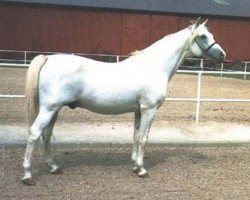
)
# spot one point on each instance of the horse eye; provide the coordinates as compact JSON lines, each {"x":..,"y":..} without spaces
{"x":203,"y":37}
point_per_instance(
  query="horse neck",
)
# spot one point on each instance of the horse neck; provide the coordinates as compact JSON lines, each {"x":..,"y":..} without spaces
{"x":168,"y":53}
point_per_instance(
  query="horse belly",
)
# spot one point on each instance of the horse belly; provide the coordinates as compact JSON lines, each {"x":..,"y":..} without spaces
{"x":110,"y":105}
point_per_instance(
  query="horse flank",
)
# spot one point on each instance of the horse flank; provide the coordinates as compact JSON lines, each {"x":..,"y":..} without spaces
{"x":31,"y":88}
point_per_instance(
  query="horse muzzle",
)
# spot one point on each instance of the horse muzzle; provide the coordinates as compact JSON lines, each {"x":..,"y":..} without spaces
{"x":217,"y":53}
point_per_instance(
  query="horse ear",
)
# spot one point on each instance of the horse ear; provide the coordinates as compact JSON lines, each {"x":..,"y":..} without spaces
{"x":204,"y":23}
{"x":197,"y":23}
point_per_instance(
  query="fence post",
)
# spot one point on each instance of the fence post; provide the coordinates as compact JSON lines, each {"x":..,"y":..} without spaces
{"x":202,"y":64}
{"x":117,"y":58}
{"x":198,"y":100}
{"x":25,"y":57}
{"x":221,"y":68}
{"x":245,"y":75}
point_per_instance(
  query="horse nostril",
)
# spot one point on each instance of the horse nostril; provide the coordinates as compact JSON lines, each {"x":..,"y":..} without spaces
{"x":222,"y":54}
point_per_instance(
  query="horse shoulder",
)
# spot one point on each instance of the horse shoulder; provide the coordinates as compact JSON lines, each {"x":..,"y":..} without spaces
{"x":153,"y":94}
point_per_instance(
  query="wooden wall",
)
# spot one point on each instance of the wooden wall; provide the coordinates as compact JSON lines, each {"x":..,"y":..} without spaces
{"x":80,"y":30}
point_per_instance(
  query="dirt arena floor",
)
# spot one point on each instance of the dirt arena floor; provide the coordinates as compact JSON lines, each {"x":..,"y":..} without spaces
{"x":104,"y":172}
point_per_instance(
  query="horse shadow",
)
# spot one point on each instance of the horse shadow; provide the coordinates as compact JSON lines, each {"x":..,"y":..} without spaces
{"x":114,"y":155}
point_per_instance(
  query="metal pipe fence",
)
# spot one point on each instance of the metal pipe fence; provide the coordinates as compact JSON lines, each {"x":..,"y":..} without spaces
{"x":12,"y":63}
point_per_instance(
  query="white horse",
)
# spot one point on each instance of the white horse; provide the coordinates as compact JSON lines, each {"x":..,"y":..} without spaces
{"x":137,"y":84}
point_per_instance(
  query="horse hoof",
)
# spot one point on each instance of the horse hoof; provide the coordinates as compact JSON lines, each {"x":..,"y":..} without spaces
{"x":57,"y":171}
{"x":136,"y":170}
{"x":143,"y":173}
{"x":146,"y":175}
{"x":28,"y":181}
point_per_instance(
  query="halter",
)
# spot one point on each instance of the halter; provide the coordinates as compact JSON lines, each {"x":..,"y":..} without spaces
{"x":205,"y":51}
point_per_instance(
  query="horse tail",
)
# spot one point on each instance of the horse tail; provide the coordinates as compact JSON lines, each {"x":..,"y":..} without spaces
{"x":31,"y":89}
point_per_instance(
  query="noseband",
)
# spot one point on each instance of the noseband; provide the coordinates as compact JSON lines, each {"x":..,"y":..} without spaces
{"x":205,"y":51}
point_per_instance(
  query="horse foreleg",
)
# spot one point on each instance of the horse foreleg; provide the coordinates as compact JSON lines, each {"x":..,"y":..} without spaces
{"x":47,"y":150}
{"x":43,"y":119}
{"x":136,"y":137}
{"x":147,"y":117}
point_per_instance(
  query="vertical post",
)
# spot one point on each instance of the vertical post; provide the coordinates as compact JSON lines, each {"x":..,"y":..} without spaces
{"x":117,"y":58}
{"x":25,"y":57}
{"x":201,"y":64}
{"x":245,"y":75}
{"x":198,"y":100}
{"x":221,"y":68}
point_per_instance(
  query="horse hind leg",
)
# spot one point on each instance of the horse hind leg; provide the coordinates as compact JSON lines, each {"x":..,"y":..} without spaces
{"x":47,"y":150}
{"x":41,"y":123}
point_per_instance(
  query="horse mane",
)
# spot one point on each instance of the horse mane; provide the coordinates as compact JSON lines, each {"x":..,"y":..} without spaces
{"x":136,"y":52}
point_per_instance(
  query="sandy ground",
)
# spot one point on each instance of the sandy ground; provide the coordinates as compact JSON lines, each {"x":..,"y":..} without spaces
{"x":104,"y":173}
{"x":122,"y":133}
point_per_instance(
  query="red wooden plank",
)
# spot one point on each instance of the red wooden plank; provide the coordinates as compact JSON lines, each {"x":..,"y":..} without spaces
{"x":136,"y":30}
{"x":234,"y":37}
{"x":163,"y":25}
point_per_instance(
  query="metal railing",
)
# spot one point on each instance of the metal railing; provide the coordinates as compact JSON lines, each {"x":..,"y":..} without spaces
{"x":12,"y":63}
{"x":198,"y":98}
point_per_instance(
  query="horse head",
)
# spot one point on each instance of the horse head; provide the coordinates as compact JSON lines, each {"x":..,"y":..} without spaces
{"x":203,"y":44}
